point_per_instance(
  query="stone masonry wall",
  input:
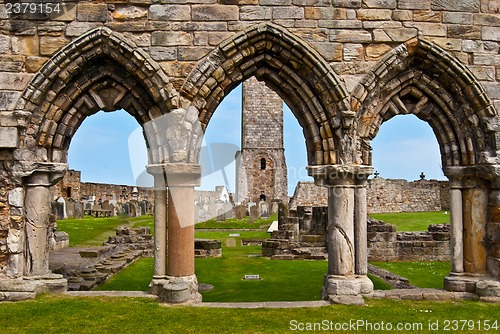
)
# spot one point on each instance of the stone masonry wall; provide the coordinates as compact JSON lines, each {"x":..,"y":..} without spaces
{"x":350,"y":35}
{"x":384,"y":195}
{"x":303,"y":236}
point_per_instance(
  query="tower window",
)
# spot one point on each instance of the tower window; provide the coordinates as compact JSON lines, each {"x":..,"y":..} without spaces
{"x":262,"y":164}
{"x":263,"y":197}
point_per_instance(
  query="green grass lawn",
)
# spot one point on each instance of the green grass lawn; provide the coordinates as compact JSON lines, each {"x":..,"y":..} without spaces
{"x":79,"y":315}
{"x":420,"y":274}
{"x":413,"y":221}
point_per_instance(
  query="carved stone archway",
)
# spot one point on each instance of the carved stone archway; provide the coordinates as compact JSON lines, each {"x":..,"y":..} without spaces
{"x":422,"y":79}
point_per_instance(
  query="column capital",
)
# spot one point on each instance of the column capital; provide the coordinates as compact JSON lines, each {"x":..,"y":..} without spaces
{"x":176,"y":174}
{"x":340,"y":175}
{"x":44,"y":173}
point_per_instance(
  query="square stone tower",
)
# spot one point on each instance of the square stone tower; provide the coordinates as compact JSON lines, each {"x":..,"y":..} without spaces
{"x":261,"y":167}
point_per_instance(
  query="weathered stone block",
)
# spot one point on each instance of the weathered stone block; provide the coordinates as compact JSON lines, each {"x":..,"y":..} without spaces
{"x":462,"y":31}
{"x":375,"y":51}
{"x":161,"y":53}
{"x":127,"y":13}
{"x":374,"y":14}
{"x":215,"y":13}
{"x":78,"y":28}
{"x":456,"y":6}
{"x":192,"y":53}
{"x":491,"y":33}
{"x":16,"y":197}
{"x":486,"y":20}
{"x":380,"y":3}
{"x":330,"y":51}
{"x":351,"y":36}
{"x":9,"y":137}
{"x":394,"y":35}
{"x":457,"y":18}
{"x":170,"y":12}
{"x":171,"y":38}
{"x":8,"y":101}
{"x":256,"y":13}
{"x":92,"y":12}
{"x":285,"y":13}
{"x":414,"y":4}
{"x":50,"y":45}
{"x":428,"y":29}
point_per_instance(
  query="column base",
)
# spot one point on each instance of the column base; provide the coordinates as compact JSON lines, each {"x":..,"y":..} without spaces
{"x":176,"y":290}
{"x":482,"y":285}
{"x":346,"y":289}
{"x":29,"y":286}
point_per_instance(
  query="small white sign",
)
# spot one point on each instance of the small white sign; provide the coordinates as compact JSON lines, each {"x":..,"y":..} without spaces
{"x":252,"y":277}
{"x":234,"y":234}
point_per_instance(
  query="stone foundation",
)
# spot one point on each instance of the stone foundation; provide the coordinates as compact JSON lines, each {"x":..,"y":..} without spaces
{"x":303,"y":236}
{"x":28,"y":287}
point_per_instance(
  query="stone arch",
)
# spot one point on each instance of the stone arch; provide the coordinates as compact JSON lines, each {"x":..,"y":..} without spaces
{"x":101,"y":70}
{"x":420,"y":78}
{"x":293,"y":69}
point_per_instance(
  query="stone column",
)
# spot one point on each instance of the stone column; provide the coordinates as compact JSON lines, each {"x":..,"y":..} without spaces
{"x":340,"y":229}
{"x":360,"y":227}
{"x":457,"y":226}
{"x":346,"y":214}
{"x":475,"y":222}
{"x":160,"y":222}
{"x":179,"y":284}
{"x":38,"y":209}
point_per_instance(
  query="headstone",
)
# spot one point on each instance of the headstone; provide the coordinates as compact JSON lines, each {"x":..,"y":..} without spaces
{"x":282,"y":213}
{"x":275,"y":203}
{"x":273,"y":227}
{"x":254,"y":213}
{"x":304,"y":213}
{"x":59,"y":209}
{"x":70,"y":208}
{"x":264,"y":209}
{"x":221,"y":215}
{"x":78,"y":213}
{"x":240,"y":211}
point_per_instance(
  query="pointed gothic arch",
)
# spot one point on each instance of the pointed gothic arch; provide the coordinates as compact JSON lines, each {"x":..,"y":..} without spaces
{"x":293,"y":69}
{"x":101,"y":70}
{"x":420,"y":78}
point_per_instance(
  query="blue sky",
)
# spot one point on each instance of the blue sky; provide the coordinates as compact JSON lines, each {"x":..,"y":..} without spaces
{"x":110,"y":148}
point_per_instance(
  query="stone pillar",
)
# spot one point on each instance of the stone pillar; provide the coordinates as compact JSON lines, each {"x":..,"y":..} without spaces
{"x":37,"y":178}
{"x":37,"y":206}
{"x":360,"y":227}
{"x":179,"y":283}
{"x":340,"y":229}
{"x":346,"y":279}
{"x":475,"y":222}
{"x":457,"y":226}
{"x":180,"y":233}
{"x":160,"y":222}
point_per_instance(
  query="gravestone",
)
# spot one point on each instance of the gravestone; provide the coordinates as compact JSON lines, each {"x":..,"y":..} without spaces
{"x":78,"y":213}
{"x":221,"y":215}
{"x":240,"y":211}
{"x":59,"y":209}
{"x":264,"y":209}
{"x":254,"y":213}
{"x":70,"y":208}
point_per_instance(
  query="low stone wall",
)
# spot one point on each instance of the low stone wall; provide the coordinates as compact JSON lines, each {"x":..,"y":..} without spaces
{"x":384,"y":195}
{"x":302,"y":235}
{"x":385,"y":244}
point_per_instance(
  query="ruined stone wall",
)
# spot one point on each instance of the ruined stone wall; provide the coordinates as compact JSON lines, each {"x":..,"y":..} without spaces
{"x":386,"y":244}
{"x":384,"y":195}
{"x":72,"y":187}
{"x":262,"y":173}
{"x":303,"y":236}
